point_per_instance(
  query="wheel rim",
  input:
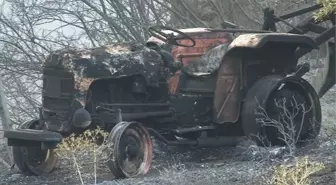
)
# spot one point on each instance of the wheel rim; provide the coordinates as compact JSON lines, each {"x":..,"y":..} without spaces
{"x":299,"y":107}
{"x":40,"y":161}
{"x":130,"y":149}
{"x":132,"y":153}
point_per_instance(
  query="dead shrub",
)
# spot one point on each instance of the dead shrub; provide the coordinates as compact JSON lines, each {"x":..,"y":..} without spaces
{"x":297,"y":174}
{"x":78,"y":147}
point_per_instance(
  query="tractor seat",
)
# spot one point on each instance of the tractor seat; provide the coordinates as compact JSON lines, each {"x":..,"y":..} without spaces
{"x":207,"y":64}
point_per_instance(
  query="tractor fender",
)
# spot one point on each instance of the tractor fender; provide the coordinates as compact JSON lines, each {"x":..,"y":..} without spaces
{"x":302,"y":83}
{"x":277,"y":41}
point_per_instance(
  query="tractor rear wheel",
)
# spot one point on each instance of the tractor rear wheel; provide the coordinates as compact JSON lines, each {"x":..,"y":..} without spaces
{"x":34,"y":160}
{"x":131,"y":150}
{"x":281,"y":111}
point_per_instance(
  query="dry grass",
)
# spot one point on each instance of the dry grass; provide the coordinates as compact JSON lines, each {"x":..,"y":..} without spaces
{"x":76,"y":146}
{"x":298,"y":174}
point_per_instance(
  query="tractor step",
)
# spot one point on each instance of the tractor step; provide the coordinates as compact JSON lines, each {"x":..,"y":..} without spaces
{"x":30,"y":137}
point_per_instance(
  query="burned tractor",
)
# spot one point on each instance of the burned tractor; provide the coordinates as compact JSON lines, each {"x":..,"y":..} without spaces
{"x":196,"y":87}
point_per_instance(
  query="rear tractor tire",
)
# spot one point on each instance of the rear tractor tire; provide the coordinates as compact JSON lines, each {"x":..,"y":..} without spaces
{"x":34,"y":160}
{"x":291,"y":111}
{"x":131,"y":150}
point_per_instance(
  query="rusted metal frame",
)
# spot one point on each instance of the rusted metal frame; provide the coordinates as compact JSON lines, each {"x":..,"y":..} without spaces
{"x":290,"y":25}
{"x":300,"y":12}
{"x":270,"y":19}
{"x":323,"y":37}
{"x":332,"y":18}
{"x":309,"y":26}
{"x":160,"y":137}
{"x":136,"y":104}
{"x":303,"y":27}
{"x":316,"y":28}
{"x":195,"y":129}
{"x":201,"y":142}
{"x":240,"y":30}
{"x":113,"y":110}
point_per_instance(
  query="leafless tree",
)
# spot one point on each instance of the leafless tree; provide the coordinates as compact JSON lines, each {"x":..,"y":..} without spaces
{"x":285,"y":124}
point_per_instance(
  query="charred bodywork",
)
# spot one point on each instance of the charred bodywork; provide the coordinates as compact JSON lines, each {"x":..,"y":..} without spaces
{"x":68,"y":76}
{"x":201,"y":85}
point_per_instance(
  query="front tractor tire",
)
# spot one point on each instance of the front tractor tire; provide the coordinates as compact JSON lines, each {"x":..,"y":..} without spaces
{"x":131,"y":150}
{"x":281,"y":111}
{"x":33,"y":160}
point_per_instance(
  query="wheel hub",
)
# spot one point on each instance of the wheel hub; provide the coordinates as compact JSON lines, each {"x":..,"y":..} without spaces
{"x":132,"y":149}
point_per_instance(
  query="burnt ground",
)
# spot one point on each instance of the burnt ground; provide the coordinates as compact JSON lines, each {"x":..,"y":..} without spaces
{"x":232,"y":166}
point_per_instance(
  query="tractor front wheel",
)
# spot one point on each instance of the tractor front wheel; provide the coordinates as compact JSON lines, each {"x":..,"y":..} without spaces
{"x":281,"y":111}
{"x":33,"y":160}
{"x":131,"y":150}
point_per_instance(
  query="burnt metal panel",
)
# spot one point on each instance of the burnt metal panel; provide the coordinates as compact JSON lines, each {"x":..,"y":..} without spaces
{"x":57,"y":97}
{"x":226,"y":105}
{"x":192,"y":109}
{"x":205,"y":41}
{"x":108,"y":62}
{"x":206,"y":65}
{"x":197,"y":84}
{"x":52,"y":86}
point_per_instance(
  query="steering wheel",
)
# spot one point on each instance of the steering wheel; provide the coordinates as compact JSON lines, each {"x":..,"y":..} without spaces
{"x":156,"y":32}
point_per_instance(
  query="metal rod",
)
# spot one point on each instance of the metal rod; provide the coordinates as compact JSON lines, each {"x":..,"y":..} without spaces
{"x":239,"y":30}
{"x":325,"y":36}
{"x":142,"y":115}
{"x":300,"y":12}
{"x":136,"y":104}
{"x":316,"y":28}
{"x":167,"y":142}
{"x":328,"y":34}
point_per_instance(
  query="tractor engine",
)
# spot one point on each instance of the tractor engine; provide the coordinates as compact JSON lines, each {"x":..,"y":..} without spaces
{"x":75,"y":83}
